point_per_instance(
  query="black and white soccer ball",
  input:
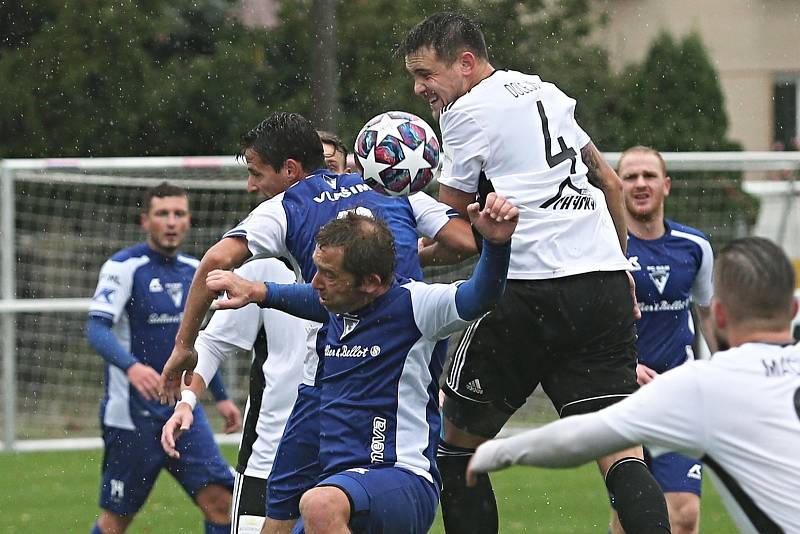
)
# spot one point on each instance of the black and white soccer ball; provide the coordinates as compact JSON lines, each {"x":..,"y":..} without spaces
{"x":398,"y":153}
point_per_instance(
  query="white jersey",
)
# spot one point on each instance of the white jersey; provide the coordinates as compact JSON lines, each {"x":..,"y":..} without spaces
{"x":520,"y":134}
{"x":740,"y":412}
{"x":277,"y":371}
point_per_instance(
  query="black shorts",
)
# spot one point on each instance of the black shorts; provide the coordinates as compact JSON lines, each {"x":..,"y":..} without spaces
{"x":249,"y":506}
{"x":574,"y":335}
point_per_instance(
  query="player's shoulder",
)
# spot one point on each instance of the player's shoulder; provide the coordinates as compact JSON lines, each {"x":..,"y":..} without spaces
{"x":682,"y":233}
{"x":137,"y":251}
{"x":188,"y":260}
{"x":266,"y":268}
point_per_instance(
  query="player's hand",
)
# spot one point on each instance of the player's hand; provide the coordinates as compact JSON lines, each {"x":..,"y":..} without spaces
{"x":484,"y":460}
{"x":181,"y":362}
{"x":233,"y":417}
{"x":644,"y":375}
{"x":637,"y":313}
{"x":177,"y":424}
{"x":145,"y":379}
{"x":240,"y":292}
{"x":496,"y":221}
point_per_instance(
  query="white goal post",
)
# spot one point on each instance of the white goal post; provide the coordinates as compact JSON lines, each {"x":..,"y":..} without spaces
{"x":60,"y":219}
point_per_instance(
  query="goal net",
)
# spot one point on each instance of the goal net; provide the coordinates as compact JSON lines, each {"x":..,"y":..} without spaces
{"x":61,"y":219}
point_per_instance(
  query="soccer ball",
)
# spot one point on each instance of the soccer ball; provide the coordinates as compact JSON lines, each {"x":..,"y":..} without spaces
{"x":398,"y":153}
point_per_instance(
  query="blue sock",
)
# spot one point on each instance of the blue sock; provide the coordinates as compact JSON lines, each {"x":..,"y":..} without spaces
{"x":215,"y":528}
{"x":96,"y":529}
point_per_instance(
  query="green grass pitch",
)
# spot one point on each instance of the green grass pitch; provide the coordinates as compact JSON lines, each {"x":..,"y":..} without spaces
{"x":57,"y":492}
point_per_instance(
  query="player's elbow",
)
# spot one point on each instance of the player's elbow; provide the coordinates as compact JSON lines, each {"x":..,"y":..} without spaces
{"x":226,"y":254}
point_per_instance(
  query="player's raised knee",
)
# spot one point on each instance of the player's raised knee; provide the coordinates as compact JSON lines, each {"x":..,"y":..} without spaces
{"x":324,"y":508}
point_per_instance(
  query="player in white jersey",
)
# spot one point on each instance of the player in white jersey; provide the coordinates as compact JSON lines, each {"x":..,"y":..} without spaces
{"x":672,"y":266}
{"x":739,"y":412}
{"x":566,"y":319}
{"x":383,"y":352}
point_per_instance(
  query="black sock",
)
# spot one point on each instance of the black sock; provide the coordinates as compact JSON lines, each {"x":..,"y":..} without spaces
{"x":637,"y":497}
{"x":464,"y":510}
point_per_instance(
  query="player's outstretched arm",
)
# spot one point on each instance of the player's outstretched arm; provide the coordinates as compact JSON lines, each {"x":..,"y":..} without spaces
{"x":239,"y":291}
{"x":226,"y":254}
{"x":568,"y":442}
{"x":603,"y":176}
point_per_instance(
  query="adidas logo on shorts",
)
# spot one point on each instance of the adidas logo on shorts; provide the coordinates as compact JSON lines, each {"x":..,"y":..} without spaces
{"x":475,"y":387}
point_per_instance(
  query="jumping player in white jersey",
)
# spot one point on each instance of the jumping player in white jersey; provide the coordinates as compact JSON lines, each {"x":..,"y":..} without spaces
{"x":566,"y":319}
{"x":739,"y":412}
{"x":672,"y":266}
{"x":382,"y":353}
{"x":300,"y":202}
{"x":133,"y":316}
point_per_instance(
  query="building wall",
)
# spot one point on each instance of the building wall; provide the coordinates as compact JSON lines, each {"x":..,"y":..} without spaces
{"x":750,"y":44}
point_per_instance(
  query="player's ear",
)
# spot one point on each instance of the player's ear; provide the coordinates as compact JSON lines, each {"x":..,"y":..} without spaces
{"x":467,"y":62}
{"x":719,"y":313}
{"x":144,"y":221}
{"x":667,"y":185}
{"x":294,"y":169}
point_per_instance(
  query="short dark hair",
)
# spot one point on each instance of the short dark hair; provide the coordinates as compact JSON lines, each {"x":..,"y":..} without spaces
{"x":367,"y":242}
{"x":448,"y":34}
{"x":283,"y":136}
{"x":330,"y":138}
{"x":755,"y":281}
{"x":646,"y":150}
{"x":162,"y":190}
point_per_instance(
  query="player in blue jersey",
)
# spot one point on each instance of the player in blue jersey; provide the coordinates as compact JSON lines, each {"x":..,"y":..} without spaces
{"x":672,"y":266}
{"x":133,"y":318}
{"x":285,"y":162}
{"x":383,"y":352}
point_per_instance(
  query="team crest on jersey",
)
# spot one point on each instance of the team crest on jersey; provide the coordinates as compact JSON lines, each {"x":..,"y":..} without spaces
{"x":175,"y":292}
{"x":349,"y":324}
{"x":155,"y":286}
{"x":659,"y":274}
{"x":574,"y":199}
{"x":330,"y":180}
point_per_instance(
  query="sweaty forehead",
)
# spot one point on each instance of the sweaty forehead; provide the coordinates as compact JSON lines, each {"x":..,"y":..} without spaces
{"x":424,"y":58}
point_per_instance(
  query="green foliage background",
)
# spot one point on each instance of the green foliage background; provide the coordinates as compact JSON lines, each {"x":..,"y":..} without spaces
{"x":158,"y":77}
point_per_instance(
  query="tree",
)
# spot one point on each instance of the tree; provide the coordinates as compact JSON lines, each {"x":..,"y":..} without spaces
{"x":101,"y":77}
{"x":674,"y":101}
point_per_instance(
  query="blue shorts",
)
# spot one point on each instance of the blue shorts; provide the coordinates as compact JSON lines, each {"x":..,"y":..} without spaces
{"x":134,"y":458}
{"x":387,"y":500}
{"x":676,"y":473}
{"x":296,"y":468}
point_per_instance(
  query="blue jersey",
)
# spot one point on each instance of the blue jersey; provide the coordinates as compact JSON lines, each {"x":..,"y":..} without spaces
{"x":671,"y":273}
{"x":287,"y":225}
{"x":379,"y":398}
{"x":142,"y":292}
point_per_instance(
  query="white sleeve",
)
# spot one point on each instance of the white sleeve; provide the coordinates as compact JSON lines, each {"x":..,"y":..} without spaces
{"x":568,"y":442}
{"x":264,"y":229}
{"x":466,"y":149}
{"x":114,"y":287}
{"x":703,"y":286}
{"x":666,"y":414}
{"x":435,"y":309}
{"x":431,"y":215}
{"x":211,"y":353}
